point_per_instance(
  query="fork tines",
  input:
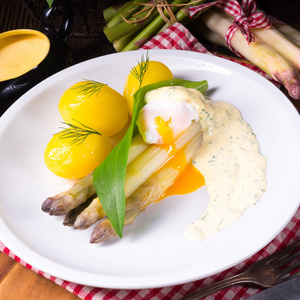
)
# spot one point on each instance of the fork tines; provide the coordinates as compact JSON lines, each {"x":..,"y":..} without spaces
{"x":286,"y":261}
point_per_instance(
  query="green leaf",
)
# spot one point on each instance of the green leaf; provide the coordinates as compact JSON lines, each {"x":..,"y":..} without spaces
{"x":50,"y":2}
{"x":109,"y":176}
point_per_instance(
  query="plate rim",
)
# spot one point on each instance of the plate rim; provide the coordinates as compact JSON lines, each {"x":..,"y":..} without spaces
{"x":26,"y":98}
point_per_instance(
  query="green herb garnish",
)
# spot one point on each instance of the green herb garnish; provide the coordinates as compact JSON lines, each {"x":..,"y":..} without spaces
{"x":78,"y":134}
{"x":109,"y":176}
{"x":89,"y":88}
{"x":50,"y":2}
{"x":143,"y":66}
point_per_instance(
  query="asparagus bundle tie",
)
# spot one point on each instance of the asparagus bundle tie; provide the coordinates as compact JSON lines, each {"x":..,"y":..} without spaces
{"x":128,"y":29}
{"x":162,"y":6}
{"x":245,"y":19}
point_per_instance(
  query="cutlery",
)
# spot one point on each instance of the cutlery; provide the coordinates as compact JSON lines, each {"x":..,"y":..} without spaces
{"x":267,"y":272}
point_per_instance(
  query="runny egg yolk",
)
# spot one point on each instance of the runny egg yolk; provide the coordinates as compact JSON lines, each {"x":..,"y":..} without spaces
{"x":189,"y":178}
{"x":161,"y":122}
{"x":189,"y":181}
{"x":164,"y":129}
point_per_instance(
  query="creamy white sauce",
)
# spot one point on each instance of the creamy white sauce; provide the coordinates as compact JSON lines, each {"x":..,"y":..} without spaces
{"x":233,"y":169}
{"x":229,"y":159}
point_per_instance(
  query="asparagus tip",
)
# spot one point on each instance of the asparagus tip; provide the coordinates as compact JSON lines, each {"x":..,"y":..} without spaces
{"x":102,"y":232}
{"x":291,"y":81}
{"x":294,"y":90}
{"x":47,"y":204}
{"x":57,"y":209}
{"x":81,"y":222}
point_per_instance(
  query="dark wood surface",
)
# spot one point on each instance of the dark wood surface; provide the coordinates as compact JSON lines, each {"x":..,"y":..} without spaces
{"x":86,"y":41}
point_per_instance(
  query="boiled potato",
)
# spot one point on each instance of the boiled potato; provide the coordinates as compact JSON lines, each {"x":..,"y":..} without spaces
{"x":155,"y":72}
{"x":72,"y":160}
{"x":96,"y":105}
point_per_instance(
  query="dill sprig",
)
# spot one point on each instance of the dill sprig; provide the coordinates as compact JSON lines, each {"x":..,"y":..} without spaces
{"x":143,"y":66}
{"x":77,"y":133}
{"x":90,"y":87}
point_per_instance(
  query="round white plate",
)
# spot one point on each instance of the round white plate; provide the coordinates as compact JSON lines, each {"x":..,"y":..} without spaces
{"x":153,"y":251}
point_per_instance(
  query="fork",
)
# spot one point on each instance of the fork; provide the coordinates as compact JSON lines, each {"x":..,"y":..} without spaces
{"x":267,"y":272}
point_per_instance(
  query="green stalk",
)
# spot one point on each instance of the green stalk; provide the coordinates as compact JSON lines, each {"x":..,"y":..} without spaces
{"x":111,"y":12}
{"x":124,"y":28}
{"x":127,"y":10}
{"x":183,"y":14}
{"x":151,"y":29}
{"x":120,"y":43}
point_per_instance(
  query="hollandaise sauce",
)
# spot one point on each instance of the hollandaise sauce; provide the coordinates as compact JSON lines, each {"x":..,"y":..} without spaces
{"x":20,"y":51}
{"x":233,"y":168}
{"x":229,"y":159}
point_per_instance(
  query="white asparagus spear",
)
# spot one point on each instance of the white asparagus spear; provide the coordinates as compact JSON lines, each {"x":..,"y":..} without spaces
{"x":262,"y":55}
{"x":289,"y":31}
{"x":280,"y":43}
{"x":138,"y":172}
{"x":63,"y":202}
{"x":79,"y":192}
{"x":149,"y":192}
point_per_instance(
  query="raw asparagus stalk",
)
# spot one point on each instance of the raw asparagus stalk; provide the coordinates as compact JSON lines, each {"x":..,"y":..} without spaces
{"x":182,"y":16}
{"x":289,"y":31}
{"x":121,"y":43}
{"x":126,"y":10}
{"x":151,"y":29}
{"x":260,"y":54}
{"x":213,"y":37}
{"x":219,"y":41}
{"x":138,"y":172}
{"x":149,"y":192}
{"x":110,"y":12}
{"x":124,"y":28}
{"x":280,"y":43}
{"x":62,"y":203}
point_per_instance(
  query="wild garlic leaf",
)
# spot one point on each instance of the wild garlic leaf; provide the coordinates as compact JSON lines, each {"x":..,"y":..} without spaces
{"x":50,"y":2}
{"x":109,"y":176}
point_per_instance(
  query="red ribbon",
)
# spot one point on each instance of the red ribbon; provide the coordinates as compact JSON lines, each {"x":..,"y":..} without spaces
{"x":245,"y":18}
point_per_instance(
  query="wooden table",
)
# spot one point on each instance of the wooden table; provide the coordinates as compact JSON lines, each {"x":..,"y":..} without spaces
{"x":16,"y":281}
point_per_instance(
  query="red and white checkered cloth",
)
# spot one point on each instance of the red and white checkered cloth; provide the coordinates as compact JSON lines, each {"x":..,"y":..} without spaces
{"x":178,"y":37}
{"x":245,"y":18}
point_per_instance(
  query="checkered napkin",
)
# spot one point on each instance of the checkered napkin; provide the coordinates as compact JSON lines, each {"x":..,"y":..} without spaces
{"x":178,"y":37}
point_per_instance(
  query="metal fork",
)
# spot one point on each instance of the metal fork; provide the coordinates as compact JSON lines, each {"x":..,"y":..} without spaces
{"x":267,"y":272}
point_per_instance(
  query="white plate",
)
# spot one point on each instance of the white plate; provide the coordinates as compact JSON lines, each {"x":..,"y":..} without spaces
{"x":153,"y":252}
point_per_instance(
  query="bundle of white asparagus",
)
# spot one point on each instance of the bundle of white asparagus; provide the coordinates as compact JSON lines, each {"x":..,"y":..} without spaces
{"x":276,"y":51}
{"x":149,"y":174}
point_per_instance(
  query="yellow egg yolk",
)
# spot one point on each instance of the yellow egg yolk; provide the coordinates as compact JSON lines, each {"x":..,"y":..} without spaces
{"x":189,"y":179}
{"x":164,"y":129}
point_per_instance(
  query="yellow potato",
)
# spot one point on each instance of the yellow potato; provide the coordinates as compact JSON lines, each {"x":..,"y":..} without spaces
{"x":75,"y":160}
{"x":156,"y":72}
{"x":96,"y":105}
